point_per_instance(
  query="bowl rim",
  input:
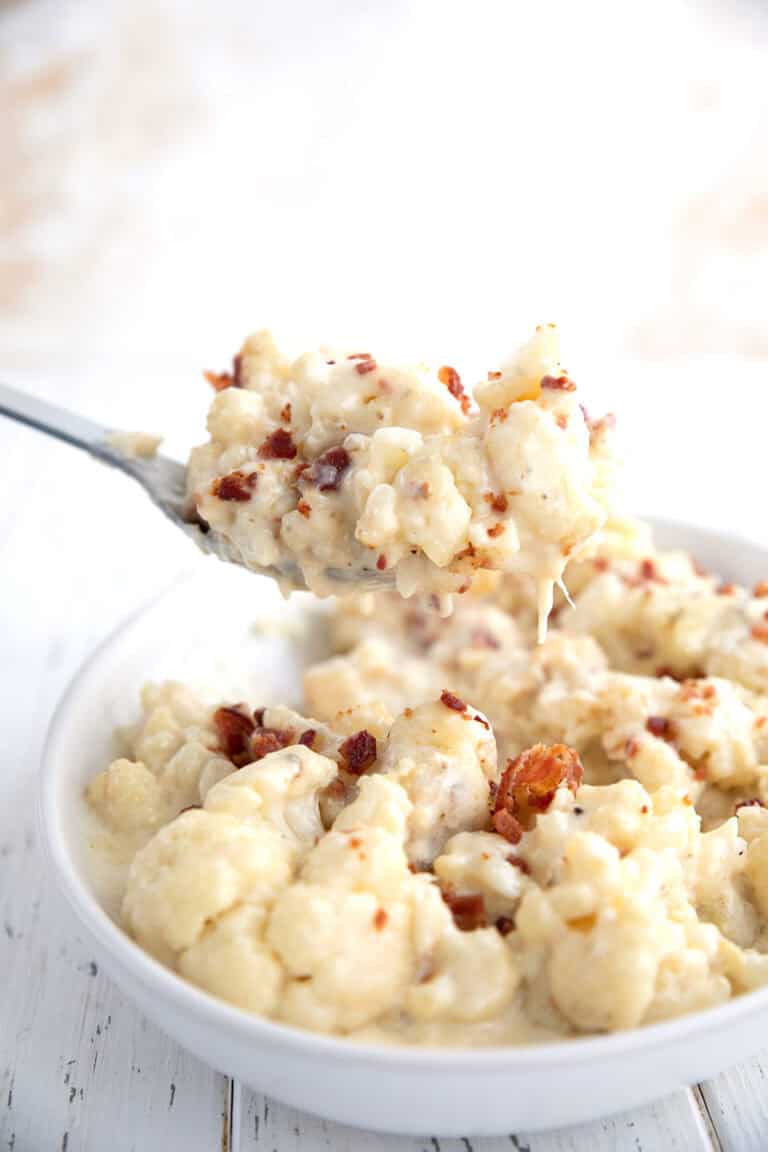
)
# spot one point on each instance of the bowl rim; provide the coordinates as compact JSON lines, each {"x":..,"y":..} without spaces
{"x":190,"y":1000}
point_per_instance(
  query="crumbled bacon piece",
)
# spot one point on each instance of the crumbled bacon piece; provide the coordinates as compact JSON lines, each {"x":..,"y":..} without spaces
{"x":278,"y":445}
{"x":760,"y":632}
{"x":236,"y":485}
{"x":308,"y":738}
{"x":450,"y":377}
{"x":726,"y":589}
{"x":528,"y":785}
{"x":499,"y":415}
{"x":380,"y":918}
{"x":468,"y":911}
{"x":649,"y":571}
{"x":304,"y":509}
{"x":753,"y":803}
{"x":497,"y":501}
{"x":660,"y":727}
{"x":504,"y":925}
{"x":327,"y":470}
{"x":760,"y":590}
{"x":381,"y":562}
{"x":518,"y":862}
{"x":561,"y":383}
{"x":268,"y":740}
{"x":286,"y":412}
{"x":452,"y":701}
{"x":358,"y":752}
{"x":497,"y":530}
{"x":222,"y":380}
{"x":234,"y":729}
{"x":561,"y":420}
{"x":366,"y":362}
{"x":332,"y":799}
{"x":495,"y":375}
{"x":598,"y":428}
{"x":696,"y":690}
{"x":483,"y":638}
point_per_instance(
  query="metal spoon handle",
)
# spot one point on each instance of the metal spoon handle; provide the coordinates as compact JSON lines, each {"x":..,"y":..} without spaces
{"x":67,"y":426}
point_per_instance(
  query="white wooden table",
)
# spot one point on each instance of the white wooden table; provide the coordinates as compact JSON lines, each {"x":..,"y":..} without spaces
{"x":80,"y":1069}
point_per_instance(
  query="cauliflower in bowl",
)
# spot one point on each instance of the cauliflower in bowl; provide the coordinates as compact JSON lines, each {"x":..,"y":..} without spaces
{"x":383,"y":877}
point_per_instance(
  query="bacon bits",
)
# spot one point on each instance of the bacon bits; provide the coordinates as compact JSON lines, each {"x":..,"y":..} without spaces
{"x":381,"y":562}
{"x":304,"y":509}
{"x":266,"y":740}
{"x":753,"y":803}
{"x":221,"y":380}
{"x":528,"y":785}
{"x":468,"y":911}
{"x":760,"y":632}
{"x":497,"y":501}
{"x":308,"y":738}
{"x":561,"y":383}
{"x":286,"y":412}
{"x":234,"y":729}
{"x":497,"y":530}
{"x":660,"y":727}
{"x":726,"y":589}
{"x":380,"y":919}
{"x":236,"y":486}
{"x":452,"y":701}
{"x":760,"y":591}
{"x":358,"y":752}
{"x":649,"y":571}
{"x":450,"y":377}
{"x":482,"y":638}
{"x":519,"y":862}
{"x":366,"y":362}
{"x":278,"y":445}
{"x":504,"y":925}
{"x":327,"y":471}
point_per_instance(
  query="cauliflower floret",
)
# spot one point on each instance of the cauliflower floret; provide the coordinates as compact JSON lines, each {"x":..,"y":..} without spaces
{"x":193,"y":870}
{"x":479,"y":862}
{"x":343,"y":932}
{"x":231,"y":960}
{"x":474,"y":976}
{"x":127,"y":796}
{"x":375,"y":672}
{"x":721,"y":888}
{"x":281,"y":789}
{"x":443,"y":755}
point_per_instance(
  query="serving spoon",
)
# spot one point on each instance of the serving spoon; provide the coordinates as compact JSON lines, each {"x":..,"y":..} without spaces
{"x":164,"y":481}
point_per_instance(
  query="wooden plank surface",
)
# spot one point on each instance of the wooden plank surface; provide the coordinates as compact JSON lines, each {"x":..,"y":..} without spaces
{"x":79,"y":1067}
{"x":674,"y":1125}
{"x":737,"y":1102}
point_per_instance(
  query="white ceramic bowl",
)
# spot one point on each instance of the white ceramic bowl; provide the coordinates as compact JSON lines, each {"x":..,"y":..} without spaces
{"x":188,"y":633}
